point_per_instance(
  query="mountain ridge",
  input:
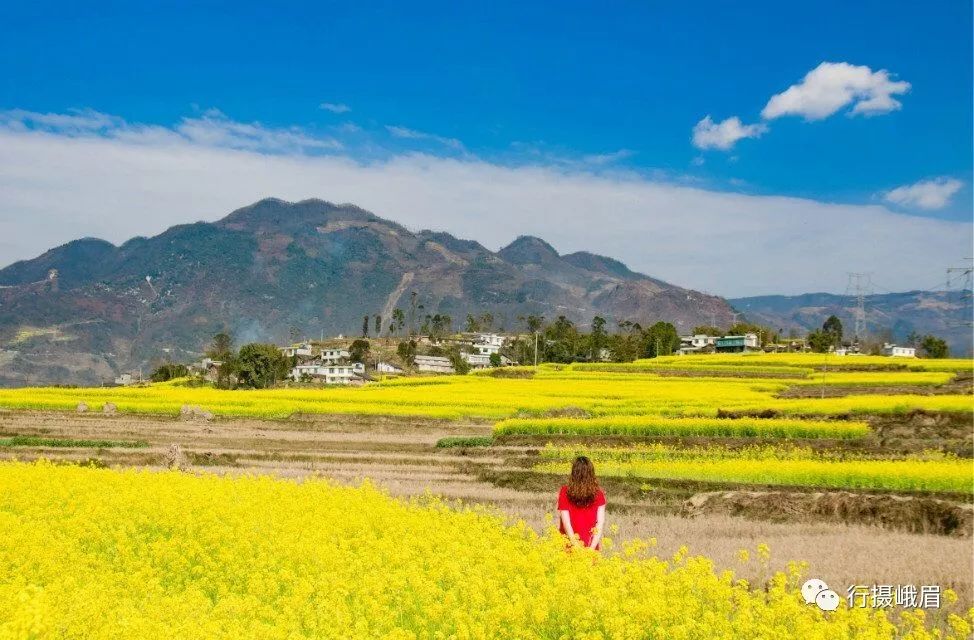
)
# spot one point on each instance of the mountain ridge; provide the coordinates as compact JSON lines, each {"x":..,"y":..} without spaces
{"x":275,"y":269}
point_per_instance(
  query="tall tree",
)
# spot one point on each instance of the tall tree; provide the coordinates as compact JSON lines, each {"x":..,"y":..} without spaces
{"x":399,"y":318}
{"x":261,"y":365}
{"x":598,"y":337}
{"x":365,"y":326}
{"x":934,"y":347}
{"x":487,"y":321}
{"x":378,"y":325}
{"x":661,"y":339}
{"x":833,"y":327}
{"x":473,"y":324}
{"x":221,"y":348}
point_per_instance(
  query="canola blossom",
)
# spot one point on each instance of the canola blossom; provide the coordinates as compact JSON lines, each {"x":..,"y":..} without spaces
{"x":773,"y":466}
{"x":95,"y":553}
{"x":644,"y":426}
{"x":597,"y":390}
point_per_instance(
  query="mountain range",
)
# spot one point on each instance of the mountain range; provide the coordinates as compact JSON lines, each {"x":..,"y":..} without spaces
{"x":888,"y":316}
{"x":82,"y":312}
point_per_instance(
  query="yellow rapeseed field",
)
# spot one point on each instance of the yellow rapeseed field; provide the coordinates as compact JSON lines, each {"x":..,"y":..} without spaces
{"x":614,"y":392}
{"x":792,"y":466}
{"x":97,"y":554}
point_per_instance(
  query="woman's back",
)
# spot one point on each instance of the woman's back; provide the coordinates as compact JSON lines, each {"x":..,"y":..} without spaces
{"x":583,"y":518}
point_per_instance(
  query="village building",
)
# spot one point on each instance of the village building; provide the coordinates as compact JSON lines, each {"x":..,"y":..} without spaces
{"x":695,"y":343}
{"x":330,"y":373}
{"x":334,"y":355}
{"x":433,"y":364}
{"x":303,"y":350}
{"x":736,"y":344}
{"x":126,"y":379}
{"x":387,"y":368}
{"x":899,"y":352}
{"x":208,"y":368}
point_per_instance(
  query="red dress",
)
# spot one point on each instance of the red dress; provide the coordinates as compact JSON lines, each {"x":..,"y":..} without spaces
{"x":583,"y":519}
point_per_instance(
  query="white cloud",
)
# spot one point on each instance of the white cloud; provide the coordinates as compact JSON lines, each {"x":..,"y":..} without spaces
{"x":412,"y":134}
{"x":138,"y":180}
{"x":708,"y":134}
{"x":335,"y":107}
{"x":934,"y":193}
{"x":832,"y":86}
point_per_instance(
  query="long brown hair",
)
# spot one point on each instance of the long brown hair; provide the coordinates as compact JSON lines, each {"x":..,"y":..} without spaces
{"x":582,"y":484}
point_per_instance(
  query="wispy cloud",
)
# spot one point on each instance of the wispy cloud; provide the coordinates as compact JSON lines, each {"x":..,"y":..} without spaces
{"x":412,"y":134}
{"x":831,"y":86}
{"x":723,"y":135}
{"x":931,"y":194}
{"x":212,"y":129}
{"x":68,"y":179}
{"x":335,"y":107}
{"x":602,"y":159}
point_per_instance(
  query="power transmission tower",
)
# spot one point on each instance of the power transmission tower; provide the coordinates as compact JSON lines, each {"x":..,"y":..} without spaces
{"x":960,"y":278}
{"x":856,"y":288}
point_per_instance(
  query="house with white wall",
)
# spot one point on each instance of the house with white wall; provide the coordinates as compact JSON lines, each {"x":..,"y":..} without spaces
{"x":899,"y":352}
{"x":433,"y":364}
{"x":330,"y":373}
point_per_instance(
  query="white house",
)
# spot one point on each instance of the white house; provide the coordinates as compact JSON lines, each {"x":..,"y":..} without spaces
{"x":751,"y":340}
{"x":125,"y":379}
{"x":334,"y":355}
{"x":387,"y":367}
{"x":433,"y":364}
{"x":492,"y":339}
{"x":694,"y":343}
{"x":298,"y":350}
{"x":899,"y":352}
{"x":330,"y":373}
{"x":482,"y":361}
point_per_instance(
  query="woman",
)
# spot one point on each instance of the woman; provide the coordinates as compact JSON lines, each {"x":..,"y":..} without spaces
{"x":581,"y":506}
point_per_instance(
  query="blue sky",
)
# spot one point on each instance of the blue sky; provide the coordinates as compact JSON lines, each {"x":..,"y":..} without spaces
{"x":561,"y":87}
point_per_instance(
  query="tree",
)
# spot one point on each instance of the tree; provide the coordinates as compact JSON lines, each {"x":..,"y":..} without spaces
{"x":495,"y":359}
{"x":533,"y":323}
{"x":833,"y":327}
{"x":407,"y":352}
{"x":260,"y":366}
{"x":707,"y":330}
{"x":660,"y":339}
{"x":221,"y":348}
{"x":365,"y":326}
{"x":598,"y":337}
{"x":440,"y":325}
{"x":359,"y":350}
{"x":461,"y":366}
{"x":399,"y":319}
{"x":168,"y":371}
{"x":472,"y":325}
{"x":378,"y":325}
{"x":820,"y":341}
{"x":934,"y":347}
{"x":487,"y":321}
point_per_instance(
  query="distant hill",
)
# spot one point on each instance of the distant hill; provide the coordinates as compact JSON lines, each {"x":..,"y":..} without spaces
{"x":891,"y":316}
{"x":274,"y":269}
